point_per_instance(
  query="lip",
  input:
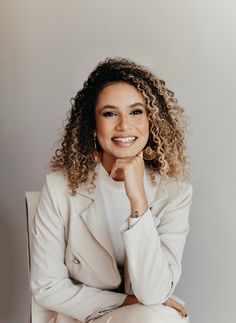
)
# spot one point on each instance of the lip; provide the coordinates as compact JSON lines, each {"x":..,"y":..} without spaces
{"x":124,"y":141}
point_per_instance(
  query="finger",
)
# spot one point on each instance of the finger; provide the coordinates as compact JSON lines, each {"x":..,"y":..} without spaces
{"x":120,"y":164}
{"x":179,"y":307}
{"x":113,"y":172}
{"x":116,"y":168}
{"x":180,"y":313}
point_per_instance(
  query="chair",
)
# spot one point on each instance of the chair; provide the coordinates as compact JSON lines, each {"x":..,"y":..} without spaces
{"x":31,"y":201}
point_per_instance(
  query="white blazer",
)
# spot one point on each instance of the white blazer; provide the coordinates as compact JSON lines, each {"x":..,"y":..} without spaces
{"x":74,"y":271}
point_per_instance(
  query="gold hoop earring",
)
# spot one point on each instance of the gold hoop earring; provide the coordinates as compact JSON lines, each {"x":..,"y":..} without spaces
{"x":94,"y":141}
{"x":149,"y":153}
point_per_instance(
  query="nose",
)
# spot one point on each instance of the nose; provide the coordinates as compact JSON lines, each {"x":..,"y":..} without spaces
{"x":123,"y":123}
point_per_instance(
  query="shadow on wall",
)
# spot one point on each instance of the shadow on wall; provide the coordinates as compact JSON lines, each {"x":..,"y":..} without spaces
{"x":8,"y":272}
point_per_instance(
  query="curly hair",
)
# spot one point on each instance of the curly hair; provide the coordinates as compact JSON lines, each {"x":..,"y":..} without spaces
{"x":167,"y":122}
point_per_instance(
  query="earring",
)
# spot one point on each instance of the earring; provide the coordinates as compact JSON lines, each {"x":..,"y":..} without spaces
{"x":149,"y":153}
{"x":95,"y":154}
{"x":94,"y":141}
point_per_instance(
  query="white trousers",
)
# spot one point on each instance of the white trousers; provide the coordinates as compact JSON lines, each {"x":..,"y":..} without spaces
{"x":127,"y":314}
{"x":142,"y":314}
{"x":136,"y":313}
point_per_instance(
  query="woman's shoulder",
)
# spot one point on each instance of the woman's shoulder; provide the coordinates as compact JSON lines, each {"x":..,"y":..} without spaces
{"x":178,"y":192}
{"x":171,"y":188}
{"x":56,"y":177}
{"x":56,"y":181}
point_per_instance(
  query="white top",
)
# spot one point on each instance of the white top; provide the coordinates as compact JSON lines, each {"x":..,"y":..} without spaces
{"x":115,"y":207}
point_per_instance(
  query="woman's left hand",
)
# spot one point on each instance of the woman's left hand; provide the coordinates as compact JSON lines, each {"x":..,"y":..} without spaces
{"x":177,"y":306}
{"x":131,"y":299}
{"x":133,"y":173}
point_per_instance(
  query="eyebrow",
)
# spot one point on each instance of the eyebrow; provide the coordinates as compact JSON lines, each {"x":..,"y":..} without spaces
{"x":133,"y":105}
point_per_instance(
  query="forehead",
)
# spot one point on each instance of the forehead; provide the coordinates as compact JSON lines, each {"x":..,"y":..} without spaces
{"x":118,"y":94}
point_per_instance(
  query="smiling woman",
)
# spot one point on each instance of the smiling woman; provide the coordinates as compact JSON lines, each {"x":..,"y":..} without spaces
{"x":112,"y":219}
{"x":122,"y":125}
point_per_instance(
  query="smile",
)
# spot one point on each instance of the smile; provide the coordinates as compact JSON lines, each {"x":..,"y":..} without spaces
{"x":124,"y":139}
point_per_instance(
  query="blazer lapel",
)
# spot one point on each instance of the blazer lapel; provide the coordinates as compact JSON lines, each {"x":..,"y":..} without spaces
{"x":96,"y":223}
{"x":97,"y":227}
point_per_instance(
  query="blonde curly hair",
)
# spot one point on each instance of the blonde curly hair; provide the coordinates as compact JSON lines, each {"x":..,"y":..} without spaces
{"x":167,"y":120}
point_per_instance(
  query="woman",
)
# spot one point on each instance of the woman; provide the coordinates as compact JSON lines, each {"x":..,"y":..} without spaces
{"x":112,"y":219}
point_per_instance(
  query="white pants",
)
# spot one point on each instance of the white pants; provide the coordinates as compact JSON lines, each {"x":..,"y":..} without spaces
{"x":142,"y":314}
{"x":127,"y":314}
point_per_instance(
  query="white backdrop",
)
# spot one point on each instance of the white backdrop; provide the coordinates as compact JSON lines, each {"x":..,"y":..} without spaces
{"x":48,"y":47}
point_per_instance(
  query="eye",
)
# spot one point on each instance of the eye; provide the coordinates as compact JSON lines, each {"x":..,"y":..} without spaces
{"x":109,"y":114}
{"x":137,"y":111}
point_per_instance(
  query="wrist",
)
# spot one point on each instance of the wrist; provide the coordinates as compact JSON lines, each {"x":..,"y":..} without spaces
{"x":138,"y":209}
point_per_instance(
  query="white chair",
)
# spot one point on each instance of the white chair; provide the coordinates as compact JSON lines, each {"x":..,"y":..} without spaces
{"x":31,"y":200}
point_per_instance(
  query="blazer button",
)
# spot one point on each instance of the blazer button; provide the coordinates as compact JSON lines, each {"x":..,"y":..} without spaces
{"x":76,"y":260}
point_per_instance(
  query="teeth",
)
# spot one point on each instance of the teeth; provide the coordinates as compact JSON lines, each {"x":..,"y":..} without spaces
{"x":126,"y":139}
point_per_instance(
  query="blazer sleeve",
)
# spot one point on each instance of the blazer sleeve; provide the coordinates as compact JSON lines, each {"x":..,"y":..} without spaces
{"x":52,"y":287}
{"x":154,"y":247}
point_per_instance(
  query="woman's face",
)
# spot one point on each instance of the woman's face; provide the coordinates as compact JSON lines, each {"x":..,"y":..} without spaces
{"x":122,"y":125}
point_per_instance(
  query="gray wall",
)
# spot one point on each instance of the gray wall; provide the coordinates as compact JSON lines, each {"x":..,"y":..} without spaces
{"x":48,"y":47}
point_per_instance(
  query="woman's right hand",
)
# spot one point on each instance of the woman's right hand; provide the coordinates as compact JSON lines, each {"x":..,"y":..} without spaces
{"x":132,"y":170}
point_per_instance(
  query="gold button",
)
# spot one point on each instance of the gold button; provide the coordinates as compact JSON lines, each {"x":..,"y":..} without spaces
{"x":76,"y":261}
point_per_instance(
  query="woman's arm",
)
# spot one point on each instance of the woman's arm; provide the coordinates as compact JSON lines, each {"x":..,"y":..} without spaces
{"x":154,"y":247}
{"x":51,"y":285}
{"x":154,"y":244}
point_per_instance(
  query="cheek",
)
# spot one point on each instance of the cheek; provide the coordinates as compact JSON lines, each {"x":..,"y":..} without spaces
{"x":144,"y":127}
{"x":103,"y":128}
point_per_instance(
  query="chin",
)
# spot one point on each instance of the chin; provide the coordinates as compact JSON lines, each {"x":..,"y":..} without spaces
{"x":127,"y":154}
